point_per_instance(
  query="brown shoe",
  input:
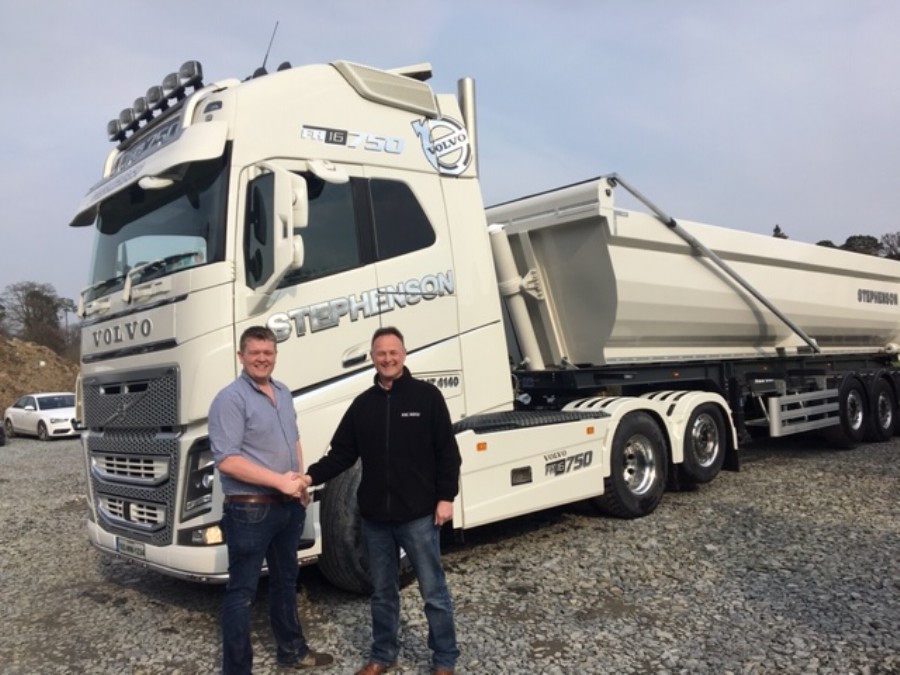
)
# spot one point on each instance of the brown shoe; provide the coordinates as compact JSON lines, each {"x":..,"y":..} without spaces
{"x":310,"y":661}
{"x":372,"y":668}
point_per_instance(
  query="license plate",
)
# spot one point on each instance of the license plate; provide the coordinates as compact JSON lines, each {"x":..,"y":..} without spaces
{"x":134,"y":549}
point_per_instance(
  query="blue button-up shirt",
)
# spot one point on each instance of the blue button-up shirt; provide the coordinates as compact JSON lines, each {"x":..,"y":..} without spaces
{"x":243,"y":421}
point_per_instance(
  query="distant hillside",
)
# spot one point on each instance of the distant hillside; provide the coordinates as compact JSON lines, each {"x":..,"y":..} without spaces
{"x":26,"y":368}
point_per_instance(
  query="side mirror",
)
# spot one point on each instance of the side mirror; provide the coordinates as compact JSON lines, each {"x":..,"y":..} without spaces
{"x":291,"y":204}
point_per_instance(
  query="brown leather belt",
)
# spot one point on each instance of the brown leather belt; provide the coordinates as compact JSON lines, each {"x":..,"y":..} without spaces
{"x":257,"y":499}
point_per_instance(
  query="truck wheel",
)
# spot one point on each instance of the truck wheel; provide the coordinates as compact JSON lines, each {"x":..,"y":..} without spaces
{"x":638,"y":463}
{"x":851,"y":429}
{"x":884,"y":409}
{"x":704,"y":444}
{"x":344,"y":562}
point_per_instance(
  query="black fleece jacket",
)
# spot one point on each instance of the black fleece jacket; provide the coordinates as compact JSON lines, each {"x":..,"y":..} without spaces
{"x":410,"y":459}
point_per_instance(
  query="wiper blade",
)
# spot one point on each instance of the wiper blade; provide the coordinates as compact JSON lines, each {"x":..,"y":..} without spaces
{"x":144,"y":272}
{"x":101,"y":287}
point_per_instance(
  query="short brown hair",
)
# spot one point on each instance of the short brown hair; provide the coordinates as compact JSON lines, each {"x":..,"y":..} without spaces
{"x":257,"y":333}
{"x":388,"y":330}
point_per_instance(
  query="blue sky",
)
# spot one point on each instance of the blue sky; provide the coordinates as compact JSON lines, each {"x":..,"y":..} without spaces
{"x":741,"y":114}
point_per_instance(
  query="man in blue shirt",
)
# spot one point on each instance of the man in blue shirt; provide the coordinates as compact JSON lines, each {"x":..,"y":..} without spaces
{"x":256,"y":446}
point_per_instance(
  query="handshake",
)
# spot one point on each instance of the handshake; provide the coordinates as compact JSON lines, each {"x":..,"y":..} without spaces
{"x":295,"y":485}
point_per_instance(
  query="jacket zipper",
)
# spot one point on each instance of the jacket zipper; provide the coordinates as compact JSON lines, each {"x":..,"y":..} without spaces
{"x":387,"y":453}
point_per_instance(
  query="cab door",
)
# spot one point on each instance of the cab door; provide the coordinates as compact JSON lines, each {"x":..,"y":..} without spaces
{"x":321,"y":313}
{"x":416,"y":276}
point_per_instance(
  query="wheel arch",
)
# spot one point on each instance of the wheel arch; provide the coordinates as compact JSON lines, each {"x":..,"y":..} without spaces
{"x":671,"y":410}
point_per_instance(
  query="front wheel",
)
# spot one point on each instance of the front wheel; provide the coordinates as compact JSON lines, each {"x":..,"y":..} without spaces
{"x":42,"y":432}
{"x":637,"y":480}
{"x":8,"y":427}
{"x":344,"y":561}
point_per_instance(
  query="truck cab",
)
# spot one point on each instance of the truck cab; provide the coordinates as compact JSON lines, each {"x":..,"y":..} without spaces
{"x":315,"y":200}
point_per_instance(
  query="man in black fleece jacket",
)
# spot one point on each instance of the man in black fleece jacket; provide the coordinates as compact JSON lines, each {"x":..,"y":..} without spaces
{"x":400,"y":428}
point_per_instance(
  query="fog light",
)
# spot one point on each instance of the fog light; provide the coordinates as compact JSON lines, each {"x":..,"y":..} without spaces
{"x":209,"y":535}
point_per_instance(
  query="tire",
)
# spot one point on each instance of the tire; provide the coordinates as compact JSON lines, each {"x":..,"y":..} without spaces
{"x":851,"y":430}
{"x":638,"y":469}
{"x":883,"y":417}
{"x":8,"y":427}
{"x":42,"y":432}
{"x":704,"y":444}
{"x":344,"y":562}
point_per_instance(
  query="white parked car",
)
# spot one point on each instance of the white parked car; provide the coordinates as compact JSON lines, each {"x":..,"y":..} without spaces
{"x":50,"y":415}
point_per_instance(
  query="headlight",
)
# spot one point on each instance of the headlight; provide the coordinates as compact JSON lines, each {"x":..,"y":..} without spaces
{"x":201,"y":474}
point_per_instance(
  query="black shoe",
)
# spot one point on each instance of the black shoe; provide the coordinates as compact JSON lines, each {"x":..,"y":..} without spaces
{"x":309,"y":661}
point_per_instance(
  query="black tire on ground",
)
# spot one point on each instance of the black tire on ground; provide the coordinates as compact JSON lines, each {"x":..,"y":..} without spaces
{"x":42,"y":432}
{"x":851,"y":430}
{"x":705,"y":444}
{"x":8,"y":427}
{"x":883,"y":413}
{"x":344,"y":562}
{"x":638,"y":462}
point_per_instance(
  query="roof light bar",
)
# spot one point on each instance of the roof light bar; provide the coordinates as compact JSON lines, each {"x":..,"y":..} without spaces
{"x":174,"y":86}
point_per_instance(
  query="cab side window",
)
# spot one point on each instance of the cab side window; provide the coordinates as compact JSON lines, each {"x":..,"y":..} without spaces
{"x":401,"y":225}
{"x":330,"y":240}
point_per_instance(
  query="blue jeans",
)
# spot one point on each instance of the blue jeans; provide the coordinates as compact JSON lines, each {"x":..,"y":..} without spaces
{"x":420,"y":539}
{"x":254,"y":532}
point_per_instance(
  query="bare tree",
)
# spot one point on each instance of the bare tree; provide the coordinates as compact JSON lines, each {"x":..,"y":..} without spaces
{"x":32,"y":313}
{"x":890,"y":245}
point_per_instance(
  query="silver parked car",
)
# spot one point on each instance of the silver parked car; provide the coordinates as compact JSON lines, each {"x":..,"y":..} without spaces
{"x":48,"y":415}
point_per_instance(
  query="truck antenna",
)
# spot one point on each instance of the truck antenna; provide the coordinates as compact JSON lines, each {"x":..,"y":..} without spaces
{"x":269,"y":48}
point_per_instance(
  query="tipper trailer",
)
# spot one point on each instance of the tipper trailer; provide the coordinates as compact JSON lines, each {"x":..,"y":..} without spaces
{"x":620,"y":355}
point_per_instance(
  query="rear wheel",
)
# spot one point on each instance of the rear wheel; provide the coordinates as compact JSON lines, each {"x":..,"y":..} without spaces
{"x":882,"y":420}
{"x":42,"y":432}
{"x":344,"y":561}
{"x":851,"y":429}
{"x":704,"y":444}
{"x":638,"y":461}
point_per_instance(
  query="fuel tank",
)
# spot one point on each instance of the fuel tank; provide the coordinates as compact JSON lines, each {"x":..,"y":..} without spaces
{"x":610,"y":286}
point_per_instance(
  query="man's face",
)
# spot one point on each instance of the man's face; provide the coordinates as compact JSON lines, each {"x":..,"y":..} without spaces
{"x":389,"y":356}
{"x":258,"y":359}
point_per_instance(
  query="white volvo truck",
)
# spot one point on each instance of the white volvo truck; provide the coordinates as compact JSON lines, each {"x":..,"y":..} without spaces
{"x":585,"y":352}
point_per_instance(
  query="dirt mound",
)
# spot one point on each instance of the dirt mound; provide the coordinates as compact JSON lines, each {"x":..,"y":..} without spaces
{"x":26,"y":368}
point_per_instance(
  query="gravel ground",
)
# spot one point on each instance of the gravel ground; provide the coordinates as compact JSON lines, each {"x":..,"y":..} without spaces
{"x":791,"y":565}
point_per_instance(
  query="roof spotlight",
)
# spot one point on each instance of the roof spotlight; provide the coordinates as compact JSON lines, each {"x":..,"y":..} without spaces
{"x":190,"y":74}
{"x":171,"y":85}
{"x":155,"y":97}
{"x":141,"y":108}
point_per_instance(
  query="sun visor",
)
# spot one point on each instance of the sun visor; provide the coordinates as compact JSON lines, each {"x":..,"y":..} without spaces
{"x":192,"y":144}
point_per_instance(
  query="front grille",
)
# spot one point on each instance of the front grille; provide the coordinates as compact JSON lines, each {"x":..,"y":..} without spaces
{"x":135,"y":400}
{"x":132,"y":514}
{"x":132,"y":440}
{"x":130,"y":468}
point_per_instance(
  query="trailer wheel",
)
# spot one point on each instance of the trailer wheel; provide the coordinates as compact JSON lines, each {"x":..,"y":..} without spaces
{"x":882,"y":421}
{"x":344,"y":561}
{"x":704,"y":444}
{"x":638,"y":469}
{"x":851,"y":429}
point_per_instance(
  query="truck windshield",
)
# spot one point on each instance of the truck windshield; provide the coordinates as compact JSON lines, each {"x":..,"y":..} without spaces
{"x":151,"y":233}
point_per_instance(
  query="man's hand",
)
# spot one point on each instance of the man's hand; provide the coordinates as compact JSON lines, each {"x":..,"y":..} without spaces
{"x":292,"y":484}
{"x":443,"y":512}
